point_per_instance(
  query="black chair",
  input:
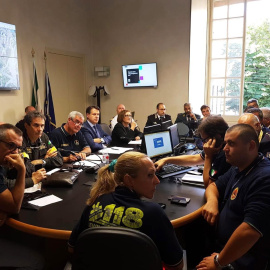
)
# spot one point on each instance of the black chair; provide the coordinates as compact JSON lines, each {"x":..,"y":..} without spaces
{"x":108,"y":248}
{"x":106,"y":128}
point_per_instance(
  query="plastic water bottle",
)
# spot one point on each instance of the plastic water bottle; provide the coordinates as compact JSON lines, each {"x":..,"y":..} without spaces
{"x":105,"y":158}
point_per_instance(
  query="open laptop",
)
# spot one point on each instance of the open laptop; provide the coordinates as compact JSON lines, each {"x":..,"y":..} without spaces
{"x":158,"y":144}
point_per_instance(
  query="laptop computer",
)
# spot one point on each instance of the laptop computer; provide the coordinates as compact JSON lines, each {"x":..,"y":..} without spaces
{"x":158,"y":143}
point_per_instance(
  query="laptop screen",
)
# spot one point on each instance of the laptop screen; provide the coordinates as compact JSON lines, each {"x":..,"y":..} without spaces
{"x":158,"y":143}
{"x":174,"y":135}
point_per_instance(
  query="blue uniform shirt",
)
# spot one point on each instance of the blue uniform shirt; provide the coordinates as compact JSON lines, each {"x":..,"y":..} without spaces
{"x":245,"y":197}
{"x":124,"y":208}
{"x":61,"y":139}
{"x":3,"y":187}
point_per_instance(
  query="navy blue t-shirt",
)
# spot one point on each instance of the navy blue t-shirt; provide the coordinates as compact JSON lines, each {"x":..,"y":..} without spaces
{"x":61,"y":139}
{"x":3,"y":187}
{"x":124,"y":208}
{"x":245,"y":197}
{"x":219,"y":165}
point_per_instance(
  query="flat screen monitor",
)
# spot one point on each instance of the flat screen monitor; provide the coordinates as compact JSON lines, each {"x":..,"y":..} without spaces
{"x":174,"y":135}
{"x":9,"y":71}
{"x":158,"y":143}
{"x":140,"y":75}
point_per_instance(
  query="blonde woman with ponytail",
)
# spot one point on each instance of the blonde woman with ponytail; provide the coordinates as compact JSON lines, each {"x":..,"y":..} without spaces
{"x":115,"y":200}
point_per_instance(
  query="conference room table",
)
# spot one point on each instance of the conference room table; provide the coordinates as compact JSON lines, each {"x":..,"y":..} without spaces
{"x":58,"y":219}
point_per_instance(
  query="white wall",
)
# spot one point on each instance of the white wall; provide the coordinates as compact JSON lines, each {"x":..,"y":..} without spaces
{"x":61,"y":24}
{"x":141,"y":31}
{"x":112,"y":33}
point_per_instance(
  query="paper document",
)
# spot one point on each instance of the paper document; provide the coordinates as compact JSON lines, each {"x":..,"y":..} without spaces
{"x":94,"y":157}
{"x":115,"y":150}
{"x":86,"y":163}
{"x":192,"y":178}
{"x":52,"y":171}
{"x":45,"y":200}
{"x":34,"y":188}
{"x":136,"y":142}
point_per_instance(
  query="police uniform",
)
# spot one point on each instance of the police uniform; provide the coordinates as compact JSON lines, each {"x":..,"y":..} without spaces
{"x":38,"y":150}
{"x":34,"y":151}
{"x":124,"y":208}
{"x":245,"y":197}
{"x":62,"y":139}
{"x":190,"y":122}
{"x":264,"y":139}
{"x":219,"y":165}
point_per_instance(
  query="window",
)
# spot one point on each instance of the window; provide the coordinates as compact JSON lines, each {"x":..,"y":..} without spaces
{"x":239,"y":55}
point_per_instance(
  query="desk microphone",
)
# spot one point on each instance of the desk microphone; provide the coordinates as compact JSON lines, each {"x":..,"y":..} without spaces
{"x":70,"y":152}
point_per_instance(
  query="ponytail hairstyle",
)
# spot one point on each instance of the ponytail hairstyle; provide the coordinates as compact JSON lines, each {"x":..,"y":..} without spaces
{"x":105,"y":184}
{"x":112,"y":175}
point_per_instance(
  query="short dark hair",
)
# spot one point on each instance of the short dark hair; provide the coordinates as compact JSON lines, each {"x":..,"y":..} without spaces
{"x":121,"y":116}
{"x":89,"y":108}
{"x":251,"y":100}
{"x":187,"y":104}
{"x":5,"y":127}
{"x":213,"y":125}
{"x":204,"y":107}
{"x":256,"y":110}
{"x":159,"y":104}
{"x":31,"y":115}
{"x":246,"y":133}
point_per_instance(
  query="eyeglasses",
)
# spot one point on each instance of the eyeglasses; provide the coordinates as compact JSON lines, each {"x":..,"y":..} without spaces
{"x":127,"y":115}
{"x":12,"y":146}
{"x":77,"y":123}
{"x":205,"y":140}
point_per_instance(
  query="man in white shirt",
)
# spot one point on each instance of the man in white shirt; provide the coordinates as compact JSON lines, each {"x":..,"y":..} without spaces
{"x":119,"y":109}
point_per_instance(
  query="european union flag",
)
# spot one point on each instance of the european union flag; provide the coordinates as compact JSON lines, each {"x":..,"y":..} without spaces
{"x":50,"y":123}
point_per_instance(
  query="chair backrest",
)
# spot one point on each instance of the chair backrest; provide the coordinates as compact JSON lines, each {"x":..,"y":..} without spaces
{"x":115,"y":248}
{"x":106,"y":128}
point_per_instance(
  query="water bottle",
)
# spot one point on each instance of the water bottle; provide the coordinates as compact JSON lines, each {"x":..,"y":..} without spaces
{"x":105,"y":158}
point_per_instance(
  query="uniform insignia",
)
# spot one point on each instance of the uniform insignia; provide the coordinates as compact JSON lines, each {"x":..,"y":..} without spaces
{"x":234,"y":194}
{"x":76,"y":142}
{"x":43,"y":146}
{"x":28,"y":150}
{"x":213,"y":172}
{"x":64,"y":144}
{"x":24,"y":155}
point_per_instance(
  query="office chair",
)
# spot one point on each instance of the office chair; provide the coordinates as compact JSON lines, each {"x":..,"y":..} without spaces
{"x":108,"y":248}
{"x":106,"y":128}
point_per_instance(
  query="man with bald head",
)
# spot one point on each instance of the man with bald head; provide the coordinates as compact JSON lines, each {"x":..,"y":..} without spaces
{"x":266,"y":116}
{"x":20,"y":124}
{"x":264,"y":138}
{"x":119,"y":109}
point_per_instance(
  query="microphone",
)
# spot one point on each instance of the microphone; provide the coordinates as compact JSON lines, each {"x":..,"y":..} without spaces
{"x":70,"y":152}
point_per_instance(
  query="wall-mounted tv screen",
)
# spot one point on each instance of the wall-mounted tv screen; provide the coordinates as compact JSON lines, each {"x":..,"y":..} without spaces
{"x":9,"y":71}
{"x":140,"y":75}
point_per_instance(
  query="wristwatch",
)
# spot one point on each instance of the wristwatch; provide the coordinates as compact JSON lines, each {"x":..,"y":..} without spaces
{"x":102,"y":140}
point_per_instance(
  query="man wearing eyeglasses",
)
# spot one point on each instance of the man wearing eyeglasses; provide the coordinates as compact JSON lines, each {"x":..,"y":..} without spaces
{"x":92,"y":131}
{"x":69,"y":139}
{"x":11,"y":200}
{"x":159,"y":117}
{"x":39,"y":153}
